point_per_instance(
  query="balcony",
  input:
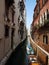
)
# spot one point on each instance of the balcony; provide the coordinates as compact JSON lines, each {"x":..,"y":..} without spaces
{"x":45,"y":23}
{"x":43,"y":26}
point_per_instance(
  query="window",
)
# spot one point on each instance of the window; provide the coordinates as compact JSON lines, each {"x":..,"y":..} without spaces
{"x":18,"y":19}
{"x":44,"y":16}
{"x":13,"y":29}
{"x":46,"y":1}
{"x":6,"y":30}
{"x":45,"y":39}
{"x":41,"y":20}
{"x":38,"y":8}
{"x":47,"y":11}
{"x":43,"y":2}
{"x":47,"y":14}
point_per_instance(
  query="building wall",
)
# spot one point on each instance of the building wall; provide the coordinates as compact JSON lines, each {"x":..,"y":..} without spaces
{"x":8,"y":39}
{"x":41,"y":36}
{"x":2,"y":10}
{"x":39,"y":32}
{"x":17,"y":38}
{"x":41,"y":55}
{"x":5,"y":43}
{"x":42,"y":11}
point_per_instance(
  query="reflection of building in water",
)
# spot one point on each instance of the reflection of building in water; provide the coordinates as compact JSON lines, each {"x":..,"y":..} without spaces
{"x":29,"y":48}
{"x":28,"y":42}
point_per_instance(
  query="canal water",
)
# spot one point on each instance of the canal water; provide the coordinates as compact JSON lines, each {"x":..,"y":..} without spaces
{"x":20,"y":55}
{"x":29,"y":49}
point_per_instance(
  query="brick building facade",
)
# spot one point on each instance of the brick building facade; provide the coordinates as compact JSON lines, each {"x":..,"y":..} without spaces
{"x":40,"y":28}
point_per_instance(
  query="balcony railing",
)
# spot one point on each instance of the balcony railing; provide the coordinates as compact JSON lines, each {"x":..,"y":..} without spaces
{"x":45,"y":22}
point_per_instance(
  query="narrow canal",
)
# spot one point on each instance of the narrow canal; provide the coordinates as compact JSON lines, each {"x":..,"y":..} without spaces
{"x":29,"y":49}
{"x":20,"y":55}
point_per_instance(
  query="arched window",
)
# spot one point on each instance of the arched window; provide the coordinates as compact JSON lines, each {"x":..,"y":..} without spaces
{"x":45,"y":39}
{"x":43,"y":2}
{"x":47,"y":14}
{"x":6,"y":31}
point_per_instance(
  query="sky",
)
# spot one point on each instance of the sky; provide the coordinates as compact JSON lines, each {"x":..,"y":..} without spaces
{"x":30,"y":5}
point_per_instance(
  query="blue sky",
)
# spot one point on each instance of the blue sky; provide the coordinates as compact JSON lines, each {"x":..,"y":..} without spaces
{"x":30,"y":4}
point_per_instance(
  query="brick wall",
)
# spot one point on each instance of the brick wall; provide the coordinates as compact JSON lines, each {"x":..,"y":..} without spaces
{"x":42,"y":57}
{"x":43,"y":8}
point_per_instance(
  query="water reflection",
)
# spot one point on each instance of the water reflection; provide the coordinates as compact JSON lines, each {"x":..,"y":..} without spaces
{"x":30,"y":50}
{"x":19,"y":55}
